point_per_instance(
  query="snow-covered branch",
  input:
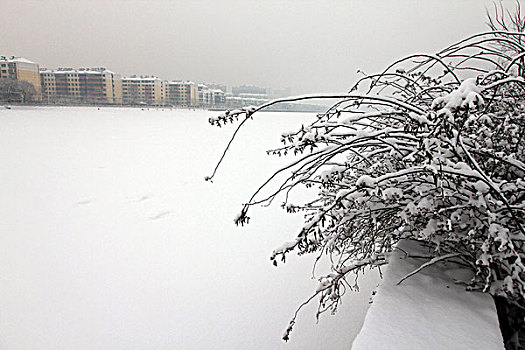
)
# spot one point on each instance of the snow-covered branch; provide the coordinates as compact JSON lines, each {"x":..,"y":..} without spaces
{"x":431,"y":149}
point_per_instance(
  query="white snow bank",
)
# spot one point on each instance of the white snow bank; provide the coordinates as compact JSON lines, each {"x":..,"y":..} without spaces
{"x":428,"y":310}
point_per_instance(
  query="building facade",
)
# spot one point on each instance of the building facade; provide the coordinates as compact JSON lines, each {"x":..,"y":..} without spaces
{"x":182,"y":93}
{"x":21,"y":69}
{"x":83,"y":85}
{"x":144,"y":90}
{"x":212,"y":98}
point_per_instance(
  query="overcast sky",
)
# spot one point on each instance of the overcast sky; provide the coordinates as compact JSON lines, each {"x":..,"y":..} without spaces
{"x":309,"y":46}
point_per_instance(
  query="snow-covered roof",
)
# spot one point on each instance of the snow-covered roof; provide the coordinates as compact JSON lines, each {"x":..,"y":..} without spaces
{"x":180,"y":82}
{"x":66,"y":70}
{"x":142,"y":78}
{"x":15,"y":59}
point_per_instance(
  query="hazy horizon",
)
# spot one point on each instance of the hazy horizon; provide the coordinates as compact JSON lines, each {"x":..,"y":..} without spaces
{"x":307,"y":46}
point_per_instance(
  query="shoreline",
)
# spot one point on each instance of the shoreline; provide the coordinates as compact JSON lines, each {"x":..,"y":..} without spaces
{"x":11,"y":105}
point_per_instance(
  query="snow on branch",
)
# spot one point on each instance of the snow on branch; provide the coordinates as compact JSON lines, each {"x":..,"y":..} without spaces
{"x":427,"y":264}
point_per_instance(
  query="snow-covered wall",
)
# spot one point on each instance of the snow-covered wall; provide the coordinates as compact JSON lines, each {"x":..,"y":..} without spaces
{"x":428,"y":310}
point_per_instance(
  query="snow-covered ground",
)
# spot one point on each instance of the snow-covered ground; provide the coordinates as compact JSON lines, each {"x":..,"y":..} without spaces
{"x":111,"y":238}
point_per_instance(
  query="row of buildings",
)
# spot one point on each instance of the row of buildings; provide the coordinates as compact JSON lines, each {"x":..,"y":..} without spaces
{"x":102,"y":86}
{"x":99,"y":85}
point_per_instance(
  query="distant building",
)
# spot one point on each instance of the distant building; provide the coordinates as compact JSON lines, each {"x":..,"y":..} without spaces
{"x":238,"y":101}
{"x":246,"y":95}
{"x":21,"y":69}
{"x":254,"y":96}
{"x":144,"y":90}
{"x":83,"y":85}
{"x":48,"y":82}
{"x":204,"y":95}
{"x":211,"y":98}
{"x":248,"y":89}
{"x":218,"y":98}
{"x":214,"y":86}
{"x":183,"y":93}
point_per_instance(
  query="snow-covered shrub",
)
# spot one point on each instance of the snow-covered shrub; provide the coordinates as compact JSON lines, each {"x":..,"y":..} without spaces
{"x":431,"y":149}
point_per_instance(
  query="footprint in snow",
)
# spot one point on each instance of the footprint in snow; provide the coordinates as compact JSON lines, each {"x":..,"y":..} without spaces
{"x":143,"y":198}
{"x":160,"y":215}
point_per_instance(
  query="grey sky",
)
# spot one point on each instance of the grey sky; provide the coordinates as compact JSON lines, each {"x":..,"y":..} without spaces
{"x":310,"y":46}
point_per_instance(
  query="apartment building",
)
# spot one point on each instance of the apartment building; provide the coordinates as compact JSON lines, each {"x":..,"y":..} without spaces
{"x":83,"y":85}
{"x":215,"y":86}
{"x":144,"y":90}
{"x":21,"y":69}
{"x":48,"y":82}
{"x":182,"y":93}
{"x":204,"y":96}
{"x":211,"y":98}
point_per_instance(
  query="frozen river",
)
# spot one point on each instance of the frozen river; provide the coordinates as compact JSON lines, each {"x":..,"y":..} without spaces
{"x":111,"y":238}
